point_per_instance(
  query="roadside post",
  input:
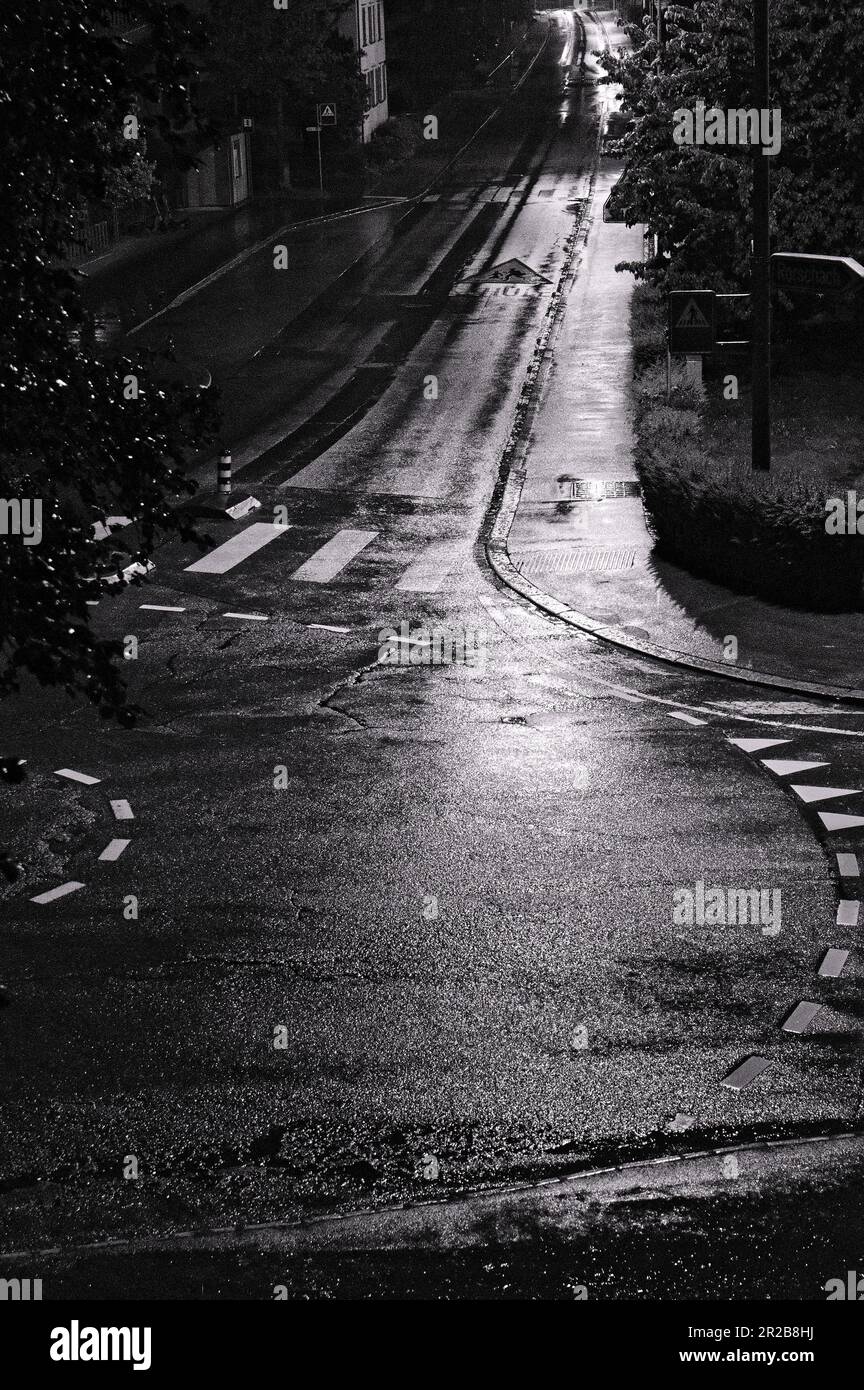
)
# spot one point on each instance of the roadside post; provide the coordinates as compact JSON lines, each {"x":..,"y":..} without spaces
{"x":325,"y":116}
{"x":224,"y":474}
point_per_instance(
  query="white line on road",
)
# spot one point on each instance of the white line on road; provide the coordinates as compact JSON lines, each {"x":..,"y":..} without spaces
{"x":801,"y":1016}
{"x":60,"y":892}
{"x":838,"y":820}
{"x":122,"y":810}
{"x":77,"y":776}
{"x":113,"y":850}
{"x":755,"y":745}
{"x":686,"y":718}
{"x":161,"y":608}
{"x":238,"y":548}
{"x":745,"y":1073}
{"x":328,"y":627}
{"x":327,"y":562}
{"x":809,"y":793}
{"x":250,"y":617}
{"x":847,"y":912}
{"x":847,"y":865}
{"x":784,"y":767}
{"x":833,"y":962}
{"x":427,"y":573}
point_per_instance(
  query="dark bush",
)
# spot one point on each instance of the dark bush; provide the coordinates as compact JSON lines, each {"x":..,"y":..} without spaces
{"x":755,"y":533}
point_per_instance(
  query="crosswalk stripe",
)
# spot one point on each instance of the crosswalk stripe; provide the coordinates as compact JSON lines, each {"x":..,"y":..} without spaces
{"x":122,"y":810}
{"x":332,"y":557}
{"x":742,"y":1076}
{"x":238,"y":548}
{"x":427,"y":573}
{"x":785,"y":767}
{"x":833,"y":962}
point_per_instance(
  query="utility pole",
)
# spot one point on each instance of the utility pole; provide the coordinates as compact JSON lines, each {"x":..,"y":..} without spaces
{"x":760,"y":262}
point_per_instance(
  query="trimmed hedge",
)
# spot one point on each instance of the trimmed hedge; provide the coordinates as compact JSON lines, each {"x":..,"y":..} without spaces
{"x":761,"y":534}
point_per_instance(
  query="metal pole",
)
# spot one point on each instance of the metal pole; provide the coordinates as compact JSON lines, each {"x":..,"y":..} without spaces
{"x":224,"y":474}
{"x":760,"y":265}
{"x":320,"y":163}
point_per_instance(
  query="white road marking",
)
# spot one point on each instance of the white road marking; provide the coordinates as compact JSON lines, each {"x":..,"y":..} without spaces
{"x":77,"y":776}
{"x":833,"y":962}
{"x":113,"y":850}
{"x":785,"y":767}
{"x":686,"y":718}
{"x":837,"y":820}
{"x":122,"y":810}
{"x":809,"y":794}
{"x":778,"y":707}
{"x":332,"y":557}
{"x":328,"y":627}
{"x":847,"y":865}
{"x":427,"y":573}
{"x":755,"y":745}
{"x":801,"y":1016}
{"x":92,"y":602}
{"x":747,"y":1072}
{"x":251,"y":617}
{"x":238,"y":548}
{"x":847,"y":912}
{"x":60,"y":892}
{"x":161,"y":608}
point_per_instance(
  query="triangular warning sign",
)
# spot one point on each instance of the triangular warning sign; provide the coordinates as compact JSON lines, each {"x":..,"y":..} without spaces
{"x":512,"y":272}
{"x":691,"y":316}
{"x":327,"y":112}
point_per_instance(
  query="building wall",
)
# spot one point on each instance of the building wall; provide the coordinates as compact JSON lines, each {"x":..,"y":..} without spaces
{"x":364,"y":25}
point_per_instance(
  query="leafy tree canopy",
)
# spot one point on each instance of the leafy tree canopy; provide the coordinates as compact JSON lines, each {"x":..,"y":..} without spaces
{"x":83,"y":436}
{"x":696,"y":198}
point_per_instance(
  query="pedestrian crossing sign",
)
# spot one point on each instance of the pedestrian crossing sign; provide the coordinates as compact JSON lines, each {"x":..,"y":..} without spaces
{"x":326,"y":113}
{"x":691,"y":321}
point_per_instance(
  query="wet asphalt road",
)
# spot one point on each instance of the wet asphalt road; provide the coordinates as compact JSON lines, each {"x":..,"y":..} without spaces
{"x":444,"y":891}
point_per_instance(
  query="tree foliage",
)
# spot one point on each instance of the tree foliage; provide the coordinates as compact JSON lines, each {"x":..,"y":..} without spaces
{"x":697,"y":198}
{"x":75,"y":434}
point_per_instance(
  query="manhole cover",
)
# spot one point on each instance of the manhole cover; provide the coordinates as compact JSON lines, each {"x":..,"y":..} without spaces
{"x":583,"y":561}
{"x":596,"y":489}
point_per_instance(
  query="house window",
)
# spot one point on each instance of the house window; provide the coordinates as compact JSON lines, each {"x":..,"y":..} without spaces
{"x":380,"y":22}
{"x":370,"y":95}
{"x":365,"y":36}
{"x":237,"y":158}
{"x":383,"y":81}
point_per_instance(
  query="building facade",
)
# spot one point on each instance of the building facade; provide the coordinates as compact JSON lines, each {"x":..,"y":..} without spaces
{"x":363,"y":23}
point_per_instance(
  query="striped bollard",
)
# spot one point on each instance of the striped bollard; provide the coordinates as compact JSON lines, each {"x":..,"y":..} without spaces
{"x":224,"y":487}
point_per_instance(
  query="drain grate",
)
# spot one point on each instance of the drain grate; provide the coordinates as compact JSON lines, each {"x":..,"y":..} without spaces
{"x":596,"y":489}
{"x":611,"y":559}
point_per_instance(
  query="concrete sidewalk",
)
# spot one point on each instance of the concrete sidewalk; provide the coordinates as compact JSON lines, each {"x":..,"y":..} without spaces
{"x":578,"y":543}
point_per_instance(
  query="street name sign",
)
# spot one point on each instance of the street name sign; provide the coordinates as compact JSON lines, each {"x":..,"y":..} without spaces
{"x":794,"y":271}
{"x":691,"y":322}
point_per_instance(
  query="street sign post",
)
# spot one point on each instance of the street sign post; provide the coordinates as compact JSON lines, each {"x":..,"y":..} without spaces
{"x":691,"y":322}
{"x":325,"y":115}
{"x":824,"y":274}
